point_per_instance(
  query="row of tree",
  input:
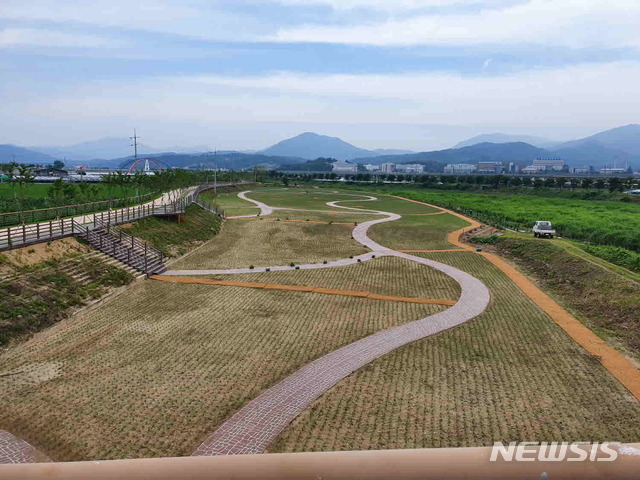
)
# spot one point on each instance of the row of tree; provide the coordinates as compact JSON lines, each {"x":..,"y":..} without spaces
{"x":614,"y":184}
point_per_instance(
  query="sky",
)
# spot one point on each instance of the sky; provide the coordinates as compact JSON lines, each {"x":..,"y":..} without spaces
{"x":243,"y":74}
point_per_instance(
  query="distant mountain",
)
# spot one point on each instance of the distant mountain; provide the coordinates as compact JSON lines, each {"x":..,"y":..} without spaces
{"x":518,"y":152}
{"x":317,"y":165}
{"x":504,"y":138}
{"x":104,"y":148}
{"x":311,"y":145}
{"x":11,"y":153}
{"x":625,"y":139}
{"x":596,"y":155}
{"x":390,"y":151}
{"x":619,"y":146}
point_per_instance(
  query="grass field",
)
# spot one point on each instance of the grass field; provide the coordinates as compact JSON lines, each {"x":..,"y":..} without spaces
{"x":342,"y":217}
{"x":510,"y":374}
{"x":313,"y":199}
{"x":227,"y":198}
{"x":153,"y":372}
{"x":417,"y":232}
{"x":35,"y":190}
{"x":384,"y":276}
{"x":40,"y":190}
{"x":389,"y":204}
{"x":600,"y":222}
{"x":264,"y":243}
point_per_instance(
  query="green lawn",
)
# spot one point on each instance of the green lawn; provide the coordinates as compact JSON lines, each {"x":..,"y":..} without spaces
{"x":313,"y":199}
{"x":614,"y":223}
{"x":36,"y":190}
{"x":417,"y":232}
{"x":95,"y":191}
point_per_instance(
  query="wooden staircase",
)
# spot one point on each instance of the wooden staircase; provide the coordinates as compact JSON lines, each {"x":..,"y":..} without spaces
{"x":129,"y":250}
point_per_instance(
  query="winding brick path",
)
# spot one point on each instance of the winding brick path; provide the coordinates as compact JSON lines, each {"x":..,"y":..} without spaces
{"x":255,"y":426}
{"x":14,"y":450}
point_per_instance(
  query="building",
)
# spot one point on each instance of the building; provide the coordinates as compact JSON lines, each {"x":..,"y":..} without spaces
{"x":371,"y":168}
{"x":534,"y":169}
{"x":581,"y":170}
{"x":613,"y":171}
{"x":50,"y":172}
{"x":489,"y":167}
{"x":556,"y":163}
{"x":344,"y":167}
{"x":461,"y":168}
{"x":410,"y":168}
{"x":387,"y":168}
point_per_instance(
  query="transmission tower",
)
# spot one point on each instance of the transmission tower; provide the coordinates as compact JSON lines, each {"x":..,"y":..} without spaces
{"x":135,"y":144}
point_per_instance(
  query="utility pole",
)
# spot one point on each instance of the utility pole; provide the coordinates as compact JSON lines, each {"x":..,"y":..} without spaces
{"x":215,"y":172}
{"x":135,"y":145}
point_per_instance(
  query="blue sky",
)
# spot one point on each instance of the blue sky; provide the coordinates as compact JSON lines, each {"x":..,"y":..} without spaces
{"x":418,"y":74}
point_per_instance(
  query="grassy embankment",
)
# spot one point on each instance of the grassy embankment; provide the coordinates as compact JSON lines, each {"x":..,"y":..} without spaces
{"x":610,"y":229}
{"x":606,"y":300}
{"x":37,"y":294}
{"x":174,"y":238}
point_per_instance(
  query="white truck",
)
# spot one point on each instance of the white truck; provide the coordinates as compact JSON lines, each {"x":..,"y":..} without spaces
{"x":543,"y":228}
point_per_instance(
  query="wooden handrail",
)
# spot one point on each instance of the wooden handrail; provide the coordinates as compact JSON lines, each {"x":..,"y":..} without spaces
{"x":422,"y":464}
{"x":22,"y":235}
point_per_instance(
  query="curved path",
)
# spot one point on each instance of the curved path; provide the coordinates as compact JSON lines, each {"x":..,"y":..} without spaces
{"x":264,"y":208}
{"x":256,"y":425}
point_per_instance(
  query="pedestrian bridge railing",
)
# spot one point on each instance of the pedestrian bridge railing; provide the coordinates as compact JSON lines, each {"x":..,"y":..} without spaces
{"x":64,"y":211}
{"x":29,"y":234}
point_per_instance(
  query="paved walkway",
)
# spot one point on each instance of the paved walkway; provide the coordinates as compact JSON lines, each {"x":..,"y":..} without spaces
{"x":264,"y":208}
{"x":14,"y":450}
{"x":255,"y":426}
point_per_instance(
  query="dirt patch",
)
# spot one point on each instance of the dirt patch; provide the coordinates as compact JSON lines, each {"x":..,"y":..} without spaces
{"x":42,"y":252}
{"x":483,"y":231}
{"x":13,"y":380}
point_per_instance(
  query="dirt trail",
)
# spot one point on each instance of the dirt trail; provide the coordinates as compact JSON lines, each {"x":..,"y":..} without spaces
{"x":303,"y":288}
{"x":617,"y":364}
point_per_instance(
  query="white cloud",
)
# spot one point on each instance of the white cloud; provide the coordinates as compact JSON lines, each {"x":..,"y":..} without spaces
{"x":589,"y":95}
{"x":573,"y":23}
{"x":385,"y":5}
{"x":197,"y":18}
{"x":16,"y":37}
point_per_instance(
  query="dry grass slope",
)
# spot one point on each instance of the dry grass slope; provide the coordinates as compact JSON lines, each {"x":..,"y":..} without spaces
{"x":264,"y":243}
{"x":417,"y":232}
{"x":509,"y":374}
{"x":384,"y":276}
{"x":156,"y":379}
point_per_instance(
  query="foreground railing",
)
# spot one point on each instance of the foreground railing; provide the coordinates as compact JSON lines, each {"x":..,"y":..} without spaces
{"x":444,"y":463}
